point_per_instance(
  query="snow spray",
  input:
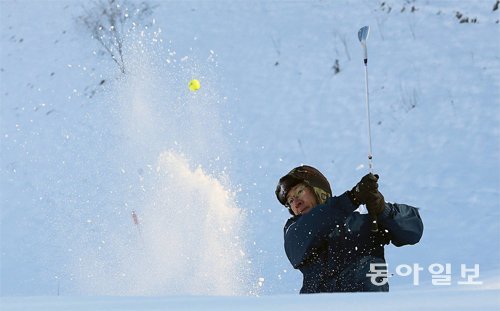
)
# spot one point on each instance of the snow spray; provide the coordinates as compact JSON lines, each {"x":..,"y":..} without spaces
{"x":171,"y":159}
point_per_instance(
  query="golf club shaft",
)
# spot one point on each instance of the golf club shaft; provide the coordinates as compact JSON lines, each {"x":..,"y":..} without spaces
{"x":374,"y":225}
{"x":370,"y":155}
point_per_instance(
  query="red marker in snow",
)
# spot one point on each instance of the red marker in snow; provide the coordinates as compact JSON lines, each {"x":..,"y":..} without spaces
{"x":135,"y":218}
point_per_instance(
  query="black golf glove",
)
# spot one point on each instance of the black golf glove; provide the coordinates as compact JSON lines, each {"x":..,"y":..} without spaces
{"x":364,"y":189}
{"x":375,"y":204}
{"x":366,"y":192}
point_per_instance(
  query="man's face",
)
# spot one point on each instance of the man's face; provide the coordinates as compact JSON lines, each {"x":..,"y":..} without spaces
{"x":301,"y":199}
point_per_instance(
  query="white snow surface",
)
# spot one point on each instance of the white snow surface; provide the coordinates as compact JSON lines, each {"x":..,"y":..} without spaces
{"x":82,"y":146}
{"x":403,"y":300}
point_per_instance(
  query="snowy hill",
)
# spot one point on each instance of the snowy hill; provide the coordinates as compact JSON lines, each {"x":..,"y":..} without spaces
{"x":282,"y":83}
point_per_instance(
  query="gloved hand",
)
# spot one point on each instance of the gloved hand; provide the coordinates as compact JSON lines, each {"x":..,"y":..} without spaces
{"x":366,"y":192}
{"x":375,"y":204}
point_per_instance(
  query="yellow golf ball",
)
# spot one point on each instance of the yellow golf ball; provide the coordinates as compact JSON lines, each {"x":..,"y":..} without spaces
{"x":194,"y":85}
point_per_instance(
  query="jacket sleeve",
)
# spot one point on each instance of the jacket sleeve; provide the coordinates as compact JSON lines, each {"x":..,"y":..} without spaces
{"x":305,"y":234}
{"x":403,"y":223}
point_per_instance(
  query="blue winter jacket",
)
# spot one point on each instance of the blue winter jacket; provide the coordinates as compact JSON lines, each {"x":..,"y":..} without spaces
{"x":333,"y":246}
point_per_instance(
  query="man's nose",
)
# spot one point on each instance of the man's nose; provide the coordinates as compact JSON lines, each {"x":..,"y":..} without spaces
{"x":298,"y":202}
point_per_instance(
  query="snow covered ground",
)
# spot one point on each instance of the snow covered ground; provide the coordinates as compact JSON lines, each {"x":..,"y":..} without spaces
{"x":282,"y":84}
{"x":407,"y":300}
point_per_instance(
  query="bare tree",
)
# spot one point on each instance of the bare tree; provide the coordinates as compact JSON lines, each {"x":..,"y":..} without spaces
{"x":109,"y":21}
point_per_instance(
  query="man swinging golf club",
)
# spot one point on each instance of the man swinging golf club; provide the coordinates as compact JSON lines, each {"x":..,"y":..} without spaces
{"x":336,"y":248}
{"x":331,"y":243}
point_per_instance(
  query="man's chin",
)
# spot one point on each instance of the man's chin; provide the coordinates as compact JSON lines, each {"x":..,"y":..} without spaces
{"x":305,"y":211}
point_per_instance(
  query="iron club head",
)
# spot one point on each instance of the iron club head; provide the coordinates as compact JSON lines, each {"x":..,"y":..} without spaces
{"x":362,"y":36}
